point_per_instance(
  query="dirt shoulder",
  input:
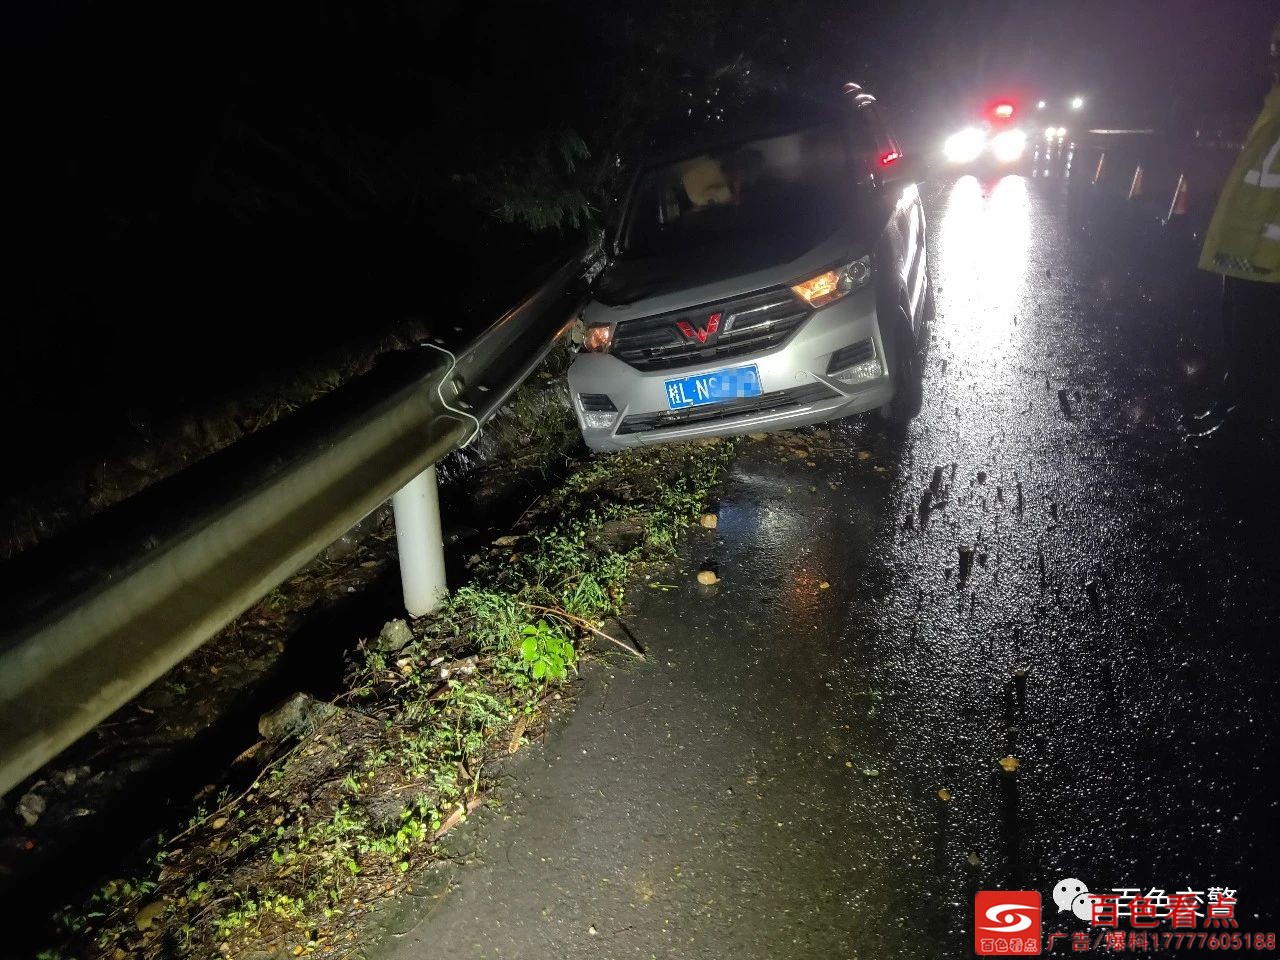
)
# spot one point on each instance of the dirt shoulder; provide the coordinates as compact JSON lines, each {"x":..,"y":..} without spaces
{"x":345,"y":799}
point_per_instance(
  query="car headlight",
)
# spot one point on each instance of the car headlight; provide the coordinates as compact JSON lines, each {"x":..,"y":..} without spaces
{"x":1008,"y":145}
{"x":829,"y":287}
{"x":964,"y":146}
{"x":597,"y":337}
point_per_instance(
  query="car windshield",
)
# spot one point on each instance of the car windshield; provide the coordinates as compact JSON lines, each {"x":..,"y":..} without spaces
{"x":798,"y":183}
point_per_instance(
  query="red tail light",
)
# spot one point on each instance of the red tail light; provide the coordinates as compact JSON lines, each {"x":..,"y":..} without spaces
{"x":890,"y":157}
{"x":1004,"y":110}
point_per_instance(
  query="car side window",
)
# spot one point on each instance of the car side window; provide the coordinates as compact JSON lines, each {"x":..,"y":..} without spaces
{"x":875,"y":122}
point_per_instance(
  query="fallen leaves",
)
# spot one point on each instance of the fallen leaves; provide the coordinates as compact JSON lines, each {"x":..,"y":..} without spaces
{"x":459,"y":814}
{"x":517,"y":734}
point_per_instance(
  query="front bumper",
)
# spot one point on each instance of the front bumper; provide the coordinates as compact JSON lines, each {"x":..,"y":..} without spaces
{"x":796,"y":388}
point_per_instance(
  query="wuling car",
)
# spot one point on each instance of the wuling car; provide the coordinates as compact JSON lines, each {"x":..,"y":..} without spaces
{"x":765,"y":278}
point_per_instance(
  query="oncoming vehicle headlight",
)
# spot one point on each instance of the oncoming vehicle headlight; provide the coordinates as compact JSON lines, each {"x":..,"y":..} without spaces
{"x":1008,"y":145}
{"x":829,"y":287}
{"x":964,"y":146}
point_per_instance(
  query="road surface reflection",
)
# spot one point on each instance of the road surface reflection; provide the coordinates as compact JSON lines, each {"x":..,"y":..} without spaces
{"x":984,"y":239}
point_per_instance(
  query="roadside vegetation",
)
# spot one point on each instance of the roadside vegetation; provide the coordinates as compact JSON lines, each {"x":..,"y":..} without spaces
{"x":344,"y":815}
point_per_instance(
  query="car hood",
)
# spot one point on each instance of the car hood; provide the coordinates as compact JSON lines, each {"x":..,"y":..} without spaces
{"x":643,"y":287}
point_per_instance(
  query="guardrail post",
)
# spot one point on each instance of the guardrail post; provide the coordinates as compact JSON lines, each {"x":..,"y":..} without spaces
{"x":420,"y":542}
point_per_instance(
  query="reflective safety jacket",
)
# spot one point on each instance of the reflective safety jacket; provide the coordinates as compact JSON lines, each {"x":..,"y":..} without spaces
{"x":1244,"y":235}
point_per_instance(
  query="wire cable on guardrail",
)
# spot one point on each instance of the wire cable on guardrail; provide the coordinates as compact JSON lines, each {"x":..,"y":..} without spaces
{"x":448,"y":376}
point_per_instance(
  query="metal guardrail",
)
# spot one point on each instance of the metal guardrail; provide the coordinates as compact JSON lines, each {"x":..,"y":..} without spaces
{"x":94,"y":617}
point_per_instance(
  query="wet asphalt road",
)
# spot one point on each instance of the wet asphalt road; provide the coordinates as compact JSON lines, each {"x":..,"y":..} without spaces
{"x":767,"y":785}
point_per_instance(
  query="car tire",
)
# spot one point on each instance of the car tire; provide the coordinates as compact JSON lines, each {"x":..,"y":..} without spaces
{"x":928,"y":311}
{"x":908,"y":377}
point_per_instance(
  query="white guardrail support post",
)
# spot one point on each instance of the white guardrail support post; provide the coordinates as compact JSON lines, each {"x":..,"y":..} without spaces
{"x":420,"y":543}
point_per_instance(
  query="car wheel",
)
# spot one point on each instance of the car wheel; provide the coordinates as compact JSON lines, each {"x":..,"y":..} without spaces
{"x":908,"y":374}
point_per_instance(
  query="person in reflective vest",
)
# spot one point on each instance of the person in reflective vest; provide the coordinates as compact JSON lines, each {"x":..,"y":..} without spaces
{"x":1243,"y":244}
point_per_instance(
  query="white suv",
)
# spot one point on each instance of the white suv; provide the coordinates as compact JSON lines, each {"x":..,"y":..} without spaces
{"x":763,"y":279}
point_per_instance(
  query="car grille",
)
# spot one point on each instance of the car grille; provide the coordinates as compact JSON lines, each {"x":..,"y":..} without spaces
{"x":712,"y":413}
{"x":747,"y":325}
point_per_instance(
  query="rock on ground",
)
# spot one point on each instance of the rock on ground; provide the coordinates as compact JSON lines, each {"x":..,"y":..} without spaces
{"x":393,"y":636}
{"x":294,"y":717}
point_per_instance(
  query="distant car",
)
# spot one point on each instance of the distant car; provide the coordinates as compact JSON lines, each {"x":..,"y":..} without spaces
{"x":995,"y":140}
{"x":768,"y":277}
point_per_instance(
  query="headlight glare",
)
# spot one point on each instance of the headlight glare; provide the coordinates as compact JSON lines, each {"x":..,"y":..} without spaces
{"x":1008,"y":145}
{"x":964,"y":147}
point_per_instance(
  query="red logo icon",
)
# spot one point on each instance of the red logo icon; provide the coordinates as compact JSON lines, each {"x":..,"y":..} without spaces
{"x":699,"y":333}
{"x":1006,"y":923}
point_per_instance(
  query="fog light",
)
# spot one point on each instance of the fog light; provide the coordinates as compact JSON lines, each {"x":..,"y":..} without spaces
{"x":598,"y":411}
{"x":855,"y":363}
{"x":866,"y":370}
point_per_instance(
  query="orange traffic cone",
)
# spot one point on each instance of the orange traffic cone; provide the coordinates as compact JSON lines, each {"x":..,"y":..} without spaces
{"x":1097,"y":174}
{"x":1179,"y":204}
{"x":1135,"y":188}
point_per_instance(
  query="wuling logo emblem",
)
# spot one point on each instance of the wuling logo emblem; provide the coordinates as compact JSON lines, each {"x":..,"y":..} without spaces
{"x":699,"y":333}
{"x":1006,"y":923}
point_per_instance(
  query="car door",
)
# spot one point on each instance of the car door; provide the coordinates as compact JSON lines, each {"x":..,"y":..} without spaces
{"x":904,"y":212}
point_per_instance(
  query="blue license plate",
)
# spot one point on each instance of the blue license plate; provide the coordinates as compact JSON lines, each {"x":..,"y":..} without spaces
{"x":716,"y":387}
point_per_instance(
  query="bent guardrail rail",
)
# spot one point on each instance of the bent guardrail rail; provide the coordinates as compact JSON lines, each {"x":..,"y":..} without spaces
{"x":93,"y":617}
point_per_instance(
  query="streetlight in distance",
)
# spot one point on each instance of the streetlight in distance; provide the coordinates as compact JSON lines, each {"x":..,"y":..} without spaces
{"x":1077,"y":103}
{"x":1040,"y":105}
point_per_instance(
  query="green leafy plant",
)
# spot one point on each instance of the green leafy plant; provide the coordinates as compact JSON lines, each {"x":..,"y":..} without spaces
{"x":545,"y":651}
